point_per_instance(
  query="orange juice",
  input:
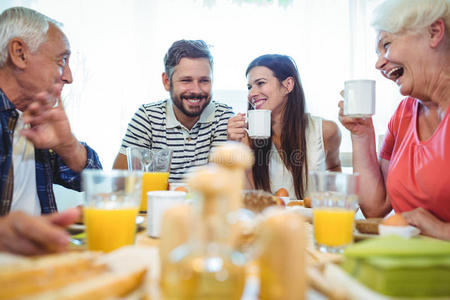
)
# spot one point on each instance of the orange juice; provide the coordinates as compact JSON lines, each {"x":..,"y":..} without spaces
{"x":109,"y":229}
{"x":333,"y":226}
{"x":153,"y":181}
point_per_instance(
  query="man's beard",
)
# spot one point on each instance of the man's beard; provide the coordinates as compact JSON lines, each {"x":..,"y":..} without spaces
{"x":178,"y":101}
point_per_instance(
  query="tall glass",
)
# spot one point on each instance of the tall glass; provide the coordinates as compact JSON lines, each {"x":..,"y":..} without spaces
{"x":155,"y":165}
{"x":110,"y":208}
{"x":334,"y":199}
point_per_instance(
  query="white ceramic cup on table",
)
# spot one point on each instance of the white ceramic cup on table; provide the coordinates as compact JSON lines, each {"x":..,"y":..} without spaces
{"x":259,"y":123}
{"x":359,"y":98}
{"x":158,"y":203}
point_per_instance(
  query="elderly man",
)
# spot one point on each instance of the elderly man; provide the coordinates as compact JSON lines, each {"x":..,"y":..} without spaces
{"x":37,"y":147}
{"x":189,"y":122}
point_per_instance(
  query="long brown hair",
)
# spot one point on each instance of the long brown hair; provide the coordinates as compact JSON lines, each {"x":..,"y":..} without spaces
{"x":293,"y":140}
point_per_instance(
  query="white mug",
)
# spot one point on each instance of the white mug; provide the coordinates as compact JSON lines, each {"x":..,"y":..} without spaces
{"x":259,"y":123}
{"x":359,"y":98}
{"x":158,"y":203}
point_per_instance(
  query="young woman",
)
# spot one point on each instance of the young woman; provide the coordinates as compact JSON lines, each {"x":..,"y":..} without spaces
{"x":299,"y":142}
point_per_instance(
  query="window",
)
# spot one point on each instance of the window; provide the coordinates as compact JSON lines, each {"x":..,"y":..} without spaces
{"x":118,"y":48}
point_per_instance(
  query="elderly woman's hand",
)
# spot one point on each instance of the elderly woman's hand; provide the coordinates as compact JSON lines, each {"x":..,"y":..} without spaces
{"x":357,"y":126}
{"x":236,"y":128}
{"x":427,"y":223}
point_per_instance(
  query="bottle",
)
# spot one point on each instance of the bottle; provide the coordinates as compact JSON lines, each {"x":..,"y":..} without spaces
{"x":207,"y":266}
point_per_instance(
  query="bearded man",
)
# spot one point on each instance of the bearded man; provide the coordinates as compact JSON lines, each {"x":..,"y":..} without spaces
{"x":189,"y":122}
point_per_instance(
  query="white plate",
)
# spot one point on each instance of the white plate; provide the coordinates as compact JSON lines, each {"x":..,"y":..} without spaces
{"x":403,"y":231}
{"x":304,"y":211}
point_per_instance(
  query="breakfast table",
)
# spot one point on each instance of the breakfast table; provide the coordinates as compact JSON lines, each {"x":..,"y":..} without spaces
{"x":326,"y":280}
{"x":315,"y":262}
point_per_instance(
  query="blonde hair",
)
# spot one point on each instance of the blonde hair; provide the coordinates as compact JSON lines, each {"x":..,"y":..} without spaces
{"x":395,"y":16}
{"x":26,"y":24}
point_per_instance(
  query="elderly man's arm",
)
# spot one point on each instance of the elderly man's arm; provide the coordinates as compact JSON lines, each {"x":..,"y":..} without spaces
{"x":23,"y":234}
{"x":49,"y":128}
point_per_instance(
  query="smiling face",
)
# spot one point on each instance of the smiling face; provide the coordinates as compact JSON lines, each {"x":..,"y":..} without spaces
{"x":265,"y":91}
{"x":47,"y":70}
{"x":190,"y":86}
{"x":402,"y":59}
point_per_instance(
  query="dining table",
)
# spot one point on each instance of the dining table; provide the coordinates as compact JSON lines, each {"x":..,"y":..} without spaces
{"x":319,"y":288}
{"x":326,"y":280}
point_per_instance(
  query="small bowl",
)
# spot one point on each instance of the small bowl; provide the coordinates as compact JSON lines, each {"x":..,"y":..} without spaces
{"x":403,"y":231}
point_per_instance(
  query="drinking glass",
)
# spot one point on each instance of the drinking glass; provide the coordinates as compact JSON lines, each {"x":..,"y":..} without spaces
{"x":155,"y":165}
{"x":334,"y":199}
{"x":110,"y":208}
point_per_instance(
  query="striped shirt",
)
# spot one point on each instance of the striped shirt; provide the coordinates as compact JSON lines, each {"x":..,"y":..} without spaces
{"x":155,"y":126}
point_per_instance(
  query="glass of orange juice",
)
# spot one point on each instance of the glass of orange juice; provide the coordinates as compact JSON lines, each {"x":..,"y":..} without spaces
{"x":334,"y":200}
{"x":155,"y":165}
{"x":110,"y":208}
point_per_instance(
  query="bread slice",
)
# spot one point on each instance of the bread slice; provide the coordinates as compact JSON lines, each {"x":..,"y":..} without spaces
{"x":368,"y":225}
{"x":258,"y":200}
{"x":103,"y":286}
{"x":33,"y":275}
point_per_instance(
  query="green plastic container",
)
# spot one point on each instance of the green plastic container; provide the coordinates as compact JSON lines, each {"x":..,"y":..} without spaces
{"x":399,"y":267}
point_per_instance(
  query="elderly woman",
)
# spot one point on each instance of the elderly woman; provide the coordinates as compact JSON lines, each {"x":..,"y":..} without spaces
{"x":412,"y":174}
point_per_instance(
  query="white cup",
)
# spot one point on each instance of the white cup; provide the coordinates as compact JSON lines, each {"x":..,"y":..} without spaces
{"x":359,"y":98}
{"x":258,"y":123}
{"x":158,"y":203}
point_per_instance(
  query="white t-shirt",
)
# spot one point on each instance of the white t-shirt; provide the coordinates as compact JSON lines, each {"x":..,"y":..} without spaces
{"x":280,"y":176}
{"x":25,"y":197}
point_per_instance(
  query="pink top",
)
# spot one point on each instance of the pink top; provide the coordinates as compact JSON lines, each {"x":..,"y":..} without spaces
{"x":419,"y":171}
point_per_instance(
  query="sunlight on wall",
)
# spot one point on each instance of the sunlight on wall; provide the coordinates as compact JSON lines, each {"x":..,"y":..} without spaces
{"x":118,"y":48}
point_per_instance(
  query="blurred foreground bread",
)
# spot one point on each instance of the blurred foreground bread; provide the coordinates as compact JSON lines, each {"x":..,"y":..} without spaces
{"x":103,"y":286}
{"x":233,"y":158}
{"x":281,"y":237}
{"x":174,"y":230}
{"x":74,"y":275}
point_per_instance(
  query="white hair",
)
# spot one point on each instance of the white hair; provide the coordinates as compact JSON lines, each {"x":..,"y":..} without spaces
{"x":395,"y":16}
{"x":26,"y":24}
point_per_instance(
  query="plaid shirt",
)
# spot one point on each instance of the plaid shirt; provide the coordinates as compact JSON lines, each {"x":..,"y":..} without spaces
{"x":50,"y":168}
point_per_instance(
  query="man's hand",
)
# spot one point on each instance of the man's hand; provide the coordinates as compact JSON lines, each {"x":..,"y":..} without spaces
{"x":49,"y":128}
{"x":49,"y":125}
{"x":23,"y":234}
{"x":427,"y":223}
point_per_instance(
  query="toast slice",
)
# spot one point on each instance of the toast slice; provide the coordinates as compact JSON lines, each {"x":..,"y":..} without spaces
{"x":104,"y":286}
{"x":33,"y":275}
